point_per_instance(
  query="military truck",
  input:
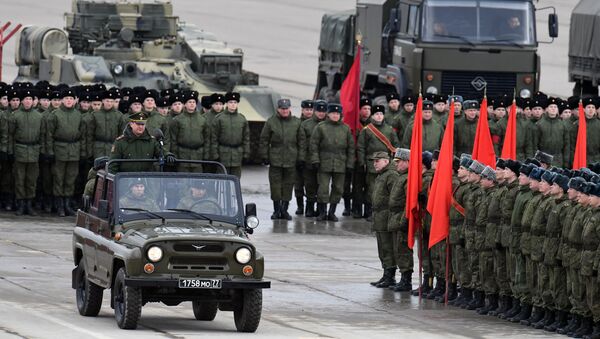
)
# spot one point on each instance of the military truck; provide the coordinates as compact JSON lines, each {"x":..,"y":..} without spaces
{"x":584,"y":48}
{"x":442,"y":46}
{"x":170,"y":238}
{"x":133,"y":43}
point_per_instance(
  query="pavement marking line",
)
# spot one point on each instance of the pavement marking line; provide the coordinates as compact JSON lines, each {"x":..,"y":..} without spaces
{"x":12,"y":332}
{"x":58,"y":321}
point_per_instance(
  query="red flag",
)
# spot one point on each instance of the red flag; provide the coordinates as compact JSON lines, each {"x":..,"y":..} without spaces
{"x":415,"y":174}
{"x":483,"y":149}
{"x":350,"y":95}
{"x":509,"y":149}
{"x":580,"y":157}
{"x":440,"y":194}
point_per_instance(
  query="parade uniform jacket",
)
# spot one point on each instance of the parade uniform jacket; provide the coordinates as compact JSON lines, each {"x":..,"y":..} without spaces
{"x":307,"y":128}
{"x":65,"y":135}
{"x":190,"y":136}
{"x":280,"y":141}
{"x":130,"y":146}
{"x":24,"y":135}
{"x":369,"y":143}
{"x":104,"y":126}
{"x":382,"y":188}
{"x":230,"y":138}
{"x":332,"y":147}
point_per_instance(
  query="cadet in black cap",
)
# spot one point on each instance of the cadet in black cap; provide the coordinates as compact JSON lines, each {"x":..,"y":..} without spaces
{"x":393,"y":100}
{"x":432,"y":131}
{"x":162,"y":106}
{"x":206,"y":103}
{"x":190,"y":133}
{"x":176,"y":103}
{"x":307,"y":107}
{"x":593,"y":138}
{"x":365,"y":112}
{"x":230,"y":137}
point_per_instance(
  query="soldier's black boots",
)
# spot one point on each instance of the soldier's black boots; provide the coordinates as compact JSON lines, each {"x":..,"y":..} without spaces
{"x":425,"y":286}
{"x":560,"y":320}
{"x":20,"y":207}
{"x":47,"y":202}
{"x":284,"y":210}
{"x":300,"y":203}
{"x":321,"y":211}
{"x":477,"y":302}
{"x":29,"y":208}
{"x":465,"y":297}
{"x":347,"y":207}
{"x":546,"y":321}
{"x":536,"y":315}
{"x":8,"y":202}
{"x":60,"y":206}
{"x":504,"y":304}
{"x":595,"y":333}
{"x":68,"y":209}
{"x":310,"y":209}
{"x":572,"y":326}
{"x":513,"y":311}
{"x":388,"y":278}
{"x":405,"y":284}
{"x":439,"y":290}
{"x":492,"y":304}
{"x":276,"y":210}
{"x":331,"y":214}
{"x":524,"y":314}
{"x":368,"y":212}
{"x":584,"y":329}
{"x":356,"y":210}
{"x":374,"y":283}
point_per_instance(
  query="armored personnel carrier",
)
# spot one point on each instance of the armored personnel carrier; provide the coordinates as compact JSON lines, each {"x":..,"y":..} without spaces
{"x":134,"y":43}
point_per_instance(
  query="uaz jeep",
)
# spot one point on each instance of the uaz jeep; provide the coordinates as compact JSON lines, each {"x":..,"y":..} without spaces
{"x":168,"y":237}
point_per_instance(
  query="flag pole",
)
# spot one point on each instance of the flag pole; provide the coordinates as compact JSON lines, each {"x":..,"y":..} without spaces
{"x":420,"y":256}
{"x":447,"y":270}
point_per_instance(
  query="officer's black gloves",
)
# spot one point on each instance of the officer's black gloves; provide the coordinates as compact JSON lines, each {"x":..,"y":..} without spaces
{"x":170,"y":159}
{"x":265,"y":162}
{"x":299,"y":165}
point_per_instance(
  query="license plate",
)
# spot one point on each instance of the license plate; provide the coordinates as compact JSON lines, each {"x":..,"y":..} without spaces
{"x":211,"y":284}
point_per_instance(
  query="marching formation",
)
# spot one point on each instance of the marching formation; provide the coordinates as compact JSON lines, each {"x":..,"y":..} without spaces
{"x":51,"y":135}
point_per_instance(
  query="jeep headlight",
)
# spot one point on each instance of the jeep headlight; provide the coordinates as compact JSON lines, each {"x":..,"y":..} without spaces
{"x":243,"y":255}
{"x":155,"y":253}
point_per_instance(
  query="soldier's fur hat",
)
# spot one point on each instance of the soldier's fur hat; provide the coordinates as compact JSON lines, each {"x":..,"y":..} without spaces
{"x":402,"y":154}
{"x":488,"y":173}
{"x":543,"y":157}
{"x":232,"y":96}
{"x":562,"y":181}
{"x":476,"y":167}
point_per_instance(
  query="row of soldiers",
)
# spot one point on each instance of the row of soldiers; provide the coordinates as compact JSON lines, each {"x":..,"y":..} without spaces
{"x":524,"y":240}
{"x":50,"y":135}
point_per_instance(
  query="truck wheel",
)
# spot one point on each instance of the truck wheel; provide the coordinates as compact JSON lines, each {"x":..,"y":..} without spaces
{"x":127,"y":301}
{"x":248,"y":310}
{"x":88,"y":294}
{"x":206,"y":311}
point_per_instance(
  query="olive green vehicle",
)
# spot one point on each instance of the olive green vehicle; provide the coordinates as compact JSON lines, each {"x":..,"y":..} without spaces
{"x":442,"y":46}
{"x":584,"y":48}
{"x":170,"y":238}
{"x":134,"y":43}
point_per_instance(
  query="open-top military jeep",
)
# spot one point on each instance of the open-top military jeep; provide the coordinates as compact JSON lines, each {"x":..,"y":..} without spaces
{"x":168,"y":237}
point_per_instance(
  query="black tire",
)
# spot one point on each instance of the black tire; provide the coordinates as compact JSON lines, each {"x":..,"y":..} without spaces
{"x":248,"y":311}
{"x":206,"y":311}
{"x":87,"y":294}
{"x":127,"y":301}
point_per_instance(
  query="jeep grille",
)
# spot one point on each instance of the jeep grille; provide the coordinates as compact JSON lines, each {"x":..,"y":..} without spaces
{"x":197,"y":247}
{"x":198,"y":263}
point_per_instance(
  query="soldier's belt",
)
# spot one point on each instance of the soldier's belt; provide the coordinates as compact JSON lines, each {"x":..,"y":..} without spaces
{"x":31,"y":143}
{"x":192,"y":148}
{"x":229,"y":145}
{"x":71,"y":141}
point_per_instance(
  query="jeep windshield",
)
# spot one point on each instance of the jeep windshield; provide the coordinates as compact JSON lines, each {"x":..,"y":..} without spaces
{"x":175,"y":196}
{"x":478,"y":22}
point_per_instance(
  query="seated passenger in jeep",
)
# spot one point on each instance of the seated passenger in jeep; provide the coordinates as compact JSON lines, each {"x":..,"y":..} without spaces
{"x":198,"y":201}
{"x":136,"y":197}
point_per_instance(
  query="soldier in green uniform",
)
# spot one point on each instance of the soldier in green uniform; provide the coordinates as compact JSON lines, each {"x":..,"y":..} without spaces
{"x":552,"y":136}
{"x":386,"y":179}
{"x":592,"y":139}
{"x":359,"y":176}
{"x":99,"y":163}
{"x":428,"y":268}
{"x":103,"y":127}
{"x":309,"y":172}
{"x":332,"y":152}
{"x":530,"y":269}
{"x":156,"y":120}
{"x":401,"y":121}
{"x":440,"y":114}
{"x":22,"y":140}
{"x":306,"y":113}
{"x":230,"y":136}
{"x":498,"y":128}
{"x":136,"y":197}
{"x":393,"y":108}
{"x":375,"y":137}
{"x":65,"y":145}
{"x":190,"y":135}
{"x":6,"y":160}
{"x":398,"y":224}
{"x":465,"y":128}
{"x":590,"y":260}
{"x":279,"y":144}
{"x":198,"y":201}
{"x":217,"y":102}
{"x":432,"y":131}
{"x":137,"y":143}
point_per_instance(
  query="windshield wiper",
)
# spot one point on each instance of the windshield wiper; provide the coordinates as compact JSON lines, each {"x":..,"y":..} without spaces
{"x":196,"y":214}
{"x":509,"y":41}
{"x":456,"y":37}
{"x":156,"y":215}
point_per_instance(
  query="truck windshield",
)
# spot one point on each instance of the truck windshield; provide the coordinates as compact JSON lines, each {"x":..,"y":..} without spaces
{"x":476,"y":22}
{"x":139,"y":197}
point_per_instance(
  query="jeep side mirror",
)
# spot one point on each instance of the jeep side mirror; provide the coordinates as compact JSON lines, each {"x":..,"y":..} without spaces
{"x":103,"y":209}
{"x":250,"y":209}
{"x":553,"y":25}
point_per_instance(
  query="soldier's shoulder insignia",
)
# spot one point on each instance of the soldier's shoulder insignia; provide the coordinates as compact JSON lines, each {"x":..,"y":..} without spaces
{"x":120,"y":137}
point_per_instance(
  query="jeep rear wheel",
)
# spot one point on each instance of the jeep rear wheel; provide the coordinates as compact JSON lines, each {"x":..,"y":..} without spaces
{"x":127,"y":301}
{"x":206,"y":311}
{"x":88,"y":294}
{"x":248,"y":311}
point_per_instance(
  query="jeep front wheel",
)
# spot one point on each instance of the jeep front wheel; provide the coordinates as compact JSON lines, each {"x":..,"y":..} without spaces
{"x":248,"y":310}
{"x":127,"y":301}
{"x":88,"y":294}
{"x":205,"y":310}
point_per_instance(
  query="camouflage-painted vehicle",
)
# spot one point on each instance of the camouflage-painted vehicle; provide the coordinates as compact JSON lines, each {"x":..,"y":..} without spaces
{"x":133,"y":43}
{"x":170,"y":238}
{"x":444,"y":46}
